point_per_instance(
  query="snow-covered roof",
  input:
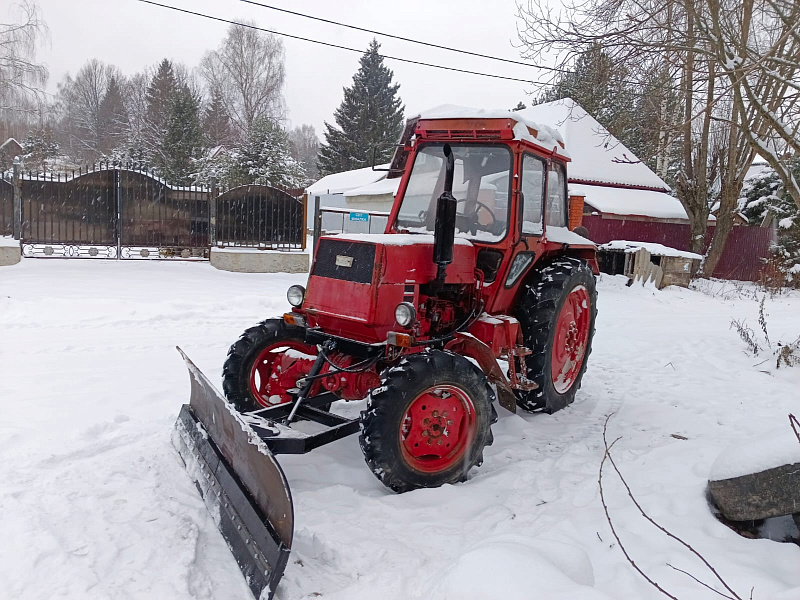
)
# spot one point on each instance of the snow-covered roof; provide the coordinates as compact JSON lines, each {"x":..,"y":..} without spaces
{"x":378,"y":188}
{"x":597,"y":156}
{"x":623,"y":201}
{"x":338,"y":183}
{"x":546,"y":135}
{"x":8,"y":142}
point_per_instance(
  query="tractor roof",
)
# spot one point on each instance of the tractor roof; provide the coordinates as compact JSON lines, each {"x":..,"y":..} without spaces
{"x":486,"y":124}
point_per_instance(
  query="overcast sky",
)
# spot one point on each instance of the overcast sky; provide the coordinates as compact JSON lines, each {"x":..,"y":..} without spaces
{"x":132,"y":35}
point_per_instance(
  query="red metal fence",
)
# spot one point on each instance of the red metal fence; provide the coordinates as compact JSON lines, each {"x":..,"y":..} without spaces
{"x":743,"y":258}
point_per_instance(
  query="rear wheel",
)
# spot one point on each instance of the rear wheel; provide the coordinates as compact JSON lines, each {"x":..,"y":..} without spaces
{"x":428,"y":422}
{"x":252,"y":377}
{"x":557,"y":312}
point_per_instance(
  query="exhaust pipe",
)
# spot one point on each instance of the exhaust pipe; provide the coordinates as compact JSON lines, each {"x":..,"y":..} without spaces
{"x":445,"y":226}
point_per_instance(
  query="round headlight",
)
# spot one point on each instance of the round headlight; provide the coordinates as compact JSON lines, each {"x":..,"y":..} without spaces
{"x":295,"y":295}
{"x":405,"y":313}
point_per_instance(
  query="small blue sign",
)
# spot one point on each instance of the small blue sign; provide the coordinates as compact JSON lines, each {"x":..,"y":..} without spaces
{"x":354,"y":216}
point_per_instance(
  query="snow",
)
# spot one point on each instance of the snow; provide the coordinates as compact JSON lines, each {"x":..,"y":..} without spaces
{"x":381,"y":187}
{"x":779,"y":448}
{"x":651,"y":247}
{"x":96,"y":503}
{"x":396,"y":239}
{"x":621,"y":201}
{"x":7,"y":241}
{"x":786,"y":222}
{"x":597,"y":156}
{"x":562,"y":235}
{"x":339,"y":183}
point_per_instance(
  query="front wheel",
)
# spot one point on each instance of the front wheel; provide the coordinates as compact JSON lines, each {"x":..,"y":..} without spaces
{"x":428,"y":422}
{"x":557,"y":312}
{"x":256,"y":374}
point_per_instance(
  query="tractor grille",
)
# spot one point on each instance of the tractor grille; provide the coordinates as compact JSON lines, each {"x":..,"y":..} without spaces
{"x":360,"y":269}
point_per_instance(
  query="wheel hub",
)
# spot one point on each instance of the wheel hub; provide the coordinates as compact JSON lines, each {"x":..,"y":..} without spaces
{"x":436,"y":428}
{"x":276,"y":370}
{"x":569,"y":342}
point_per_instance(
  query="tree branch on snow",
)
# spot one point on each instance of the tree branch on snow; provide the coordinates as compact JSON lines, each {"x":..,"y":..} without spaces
{"x":795,"y":425}
{"x":607,"y":456}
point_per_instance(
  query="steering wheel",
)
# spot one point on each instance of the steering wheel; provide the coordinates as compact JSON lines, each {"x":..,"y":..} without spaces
{"x":474,"y":216}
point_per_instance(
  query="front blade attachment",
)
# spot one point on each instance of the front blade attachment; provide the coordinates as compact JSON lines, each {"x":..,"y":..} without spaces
{"x":240,"y":481}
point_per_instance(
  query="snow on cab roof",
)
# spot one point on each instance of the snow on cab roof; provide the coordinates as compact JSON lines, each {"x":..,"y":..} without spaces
{"x":597,"y":156}
{"x":633,"y":202}
{"x":338,"y":183}
{"x":547,"y":136}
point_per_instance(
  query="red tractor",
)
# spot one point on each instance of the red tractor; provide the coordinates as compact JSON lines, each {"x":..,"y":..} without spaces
{"x":476,"y":291}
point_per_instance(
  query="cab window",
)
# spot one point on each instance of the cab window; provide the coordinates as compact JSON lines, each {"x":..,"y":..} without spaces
{"x":556,"y":210}
{"x":532,"y":194}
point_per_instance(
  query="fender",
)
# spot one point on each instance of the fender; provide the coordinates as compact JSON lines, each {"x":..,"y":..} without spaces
{"x":468,"y":345}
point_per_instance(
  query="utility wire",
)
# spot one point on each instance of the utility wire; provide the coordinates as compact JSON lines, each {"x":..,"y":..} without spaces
{"x":399,"y":37}
{"x":330,"y":45}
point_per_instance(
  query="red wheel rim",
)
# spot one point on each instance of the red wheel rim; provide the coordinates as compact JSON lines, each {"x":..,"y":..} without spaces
{"x":570,"y":338}
{"x":264,"y":382}
{"x":437,"y":428}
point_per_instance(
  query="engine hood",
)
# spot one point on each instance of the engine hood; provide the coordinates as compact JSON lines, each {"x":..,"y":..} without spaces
{"x":357,"y":280}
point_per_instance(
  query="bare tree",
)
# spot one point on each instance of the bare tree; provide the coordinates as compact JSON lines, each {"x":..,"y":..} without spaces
{"x":22,"y":79}
{"x":81,"y":102}
{"x":304,"y":148}
{"x":733,"y":64}
{"x":248,"y":70}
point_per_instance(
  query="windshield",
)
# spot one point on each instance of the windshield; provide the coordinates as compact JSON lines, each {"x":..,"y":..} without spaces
{"x":481,"y":185}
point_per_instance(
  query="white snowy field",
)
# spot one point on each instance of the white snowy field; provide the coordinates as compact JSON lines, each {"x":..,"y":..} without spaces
{"x":95,"y":504}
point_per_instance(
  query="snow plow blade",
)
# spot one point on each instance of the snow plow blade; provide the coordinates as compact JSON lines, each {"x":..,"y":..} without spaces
{"x":240,"y":481}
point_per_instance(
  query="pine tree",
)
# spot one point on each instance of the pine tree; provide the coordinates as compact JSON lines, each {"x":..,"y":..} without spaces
{"x":765,"y":196}
{"x":216,"y":121}
{"x":39,"y":147}
{"x":598,"y":84}
{"x":161,"y":92}
{"x":264,"y":158}
{"x":183,"y":137}
{"x":113,"y":117}
{"x":370,"y":116}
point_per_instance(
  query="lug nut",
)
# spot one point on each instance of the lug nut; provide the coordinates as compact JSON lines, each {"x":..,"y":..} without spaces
{"x":449,"y":422}
{"x":436,"y":413}
{"x":424,"y":434}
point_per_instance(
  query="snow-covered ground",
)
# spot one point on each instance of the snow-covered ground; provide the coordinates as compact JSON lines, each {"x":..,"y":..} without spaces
{"x":94,"y":502}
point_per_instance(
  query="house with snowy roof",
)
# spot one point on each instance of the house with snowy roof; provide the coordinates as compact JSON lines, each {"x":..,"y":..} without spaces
{"x":612,"y":181}
{"x":8,"y":150}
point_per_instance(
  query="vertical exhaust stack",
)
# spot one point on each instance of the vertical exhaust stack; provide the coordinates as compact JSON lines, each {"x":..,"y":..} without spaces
{"x":445,"y":226}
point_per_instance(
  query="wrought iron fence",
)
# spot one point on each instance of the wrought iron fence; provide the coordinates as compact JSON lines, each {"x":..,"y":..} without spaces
{"x":120,"y":211}
{"x":261,"y":216}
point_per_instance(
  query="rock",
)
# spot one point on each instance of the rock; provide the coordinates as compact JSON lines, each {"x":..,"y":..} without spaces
{"x":770,"y":493}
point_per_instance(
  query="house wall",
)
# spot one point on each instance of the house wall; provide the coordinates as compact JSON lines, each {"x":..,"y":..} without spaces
{"x":743,"y":258}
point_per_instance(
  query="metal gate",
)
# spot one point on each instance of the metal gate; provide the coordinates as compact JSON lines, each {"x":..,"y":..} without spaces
{"x":126,"y":213}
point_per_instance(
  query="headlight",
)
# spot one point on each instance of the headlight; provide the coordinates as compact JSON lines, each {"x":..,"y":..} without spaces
{"x":295,"y":295}
{"x":405,"y":313}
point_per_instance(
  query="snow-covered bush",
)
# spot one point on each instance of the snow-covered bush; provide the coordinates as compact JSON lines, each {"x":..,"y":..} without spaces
{"x":764,"y":196}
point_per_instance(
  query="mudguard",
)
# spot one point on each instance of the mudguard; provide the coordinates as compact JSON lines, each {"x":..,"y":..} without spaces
{"x":241,"y":482}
